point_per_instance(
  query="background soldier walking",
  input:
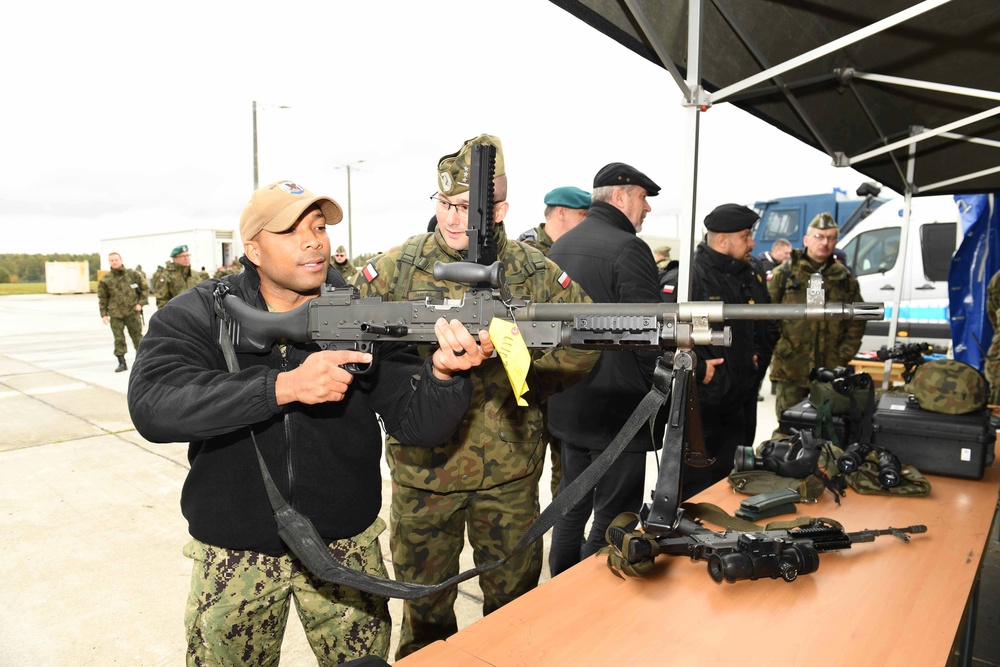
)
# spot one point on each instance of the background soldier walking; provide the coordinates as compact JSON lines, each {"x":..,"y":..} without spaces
{"x":121,"y":294}
{"x":177,"y":277}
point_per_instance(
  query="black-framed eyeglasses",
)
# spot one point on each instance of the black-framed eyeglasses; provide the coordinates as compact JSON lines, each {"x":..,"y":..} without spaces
{"x":462,"y":208}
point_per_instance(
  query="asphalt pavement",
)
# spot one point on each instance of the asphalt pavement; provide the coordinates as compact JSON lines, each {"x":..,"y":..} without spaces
{"x":90,"y":522}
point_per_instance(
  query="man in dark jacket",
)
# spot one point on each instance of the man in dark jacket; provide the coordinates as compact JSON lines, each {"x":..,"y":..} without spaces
{"x":722,"y":272}
{"x":316,"y":427}
{"x":613,"y":265}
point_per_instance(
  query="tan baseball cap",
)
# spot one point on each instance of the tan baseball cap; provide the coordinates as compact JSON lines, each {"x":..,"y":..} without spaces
{"x":277,"y":206}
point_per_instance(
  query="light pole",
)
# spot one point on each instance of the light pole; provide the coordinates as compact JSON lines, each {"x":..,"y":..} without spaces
{"x":256,"y":182}
{"x":350,"y":218}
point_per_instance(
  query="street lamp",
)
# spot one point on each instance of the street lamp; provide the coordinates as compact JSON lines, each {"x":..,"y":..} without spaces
{"x":256,"y":183}
{"x":350,"y":218}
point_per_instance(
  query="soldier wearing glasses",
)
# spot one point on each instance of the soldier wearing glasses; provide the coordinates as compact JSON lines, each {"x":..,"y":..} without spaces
{"x":484,"y":480}
{"x":805,"y":345}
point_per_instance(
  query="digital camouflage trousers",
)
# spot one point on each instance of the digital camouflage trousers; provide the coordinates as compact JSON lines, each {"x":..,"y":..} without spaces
{"x":239,"y":601}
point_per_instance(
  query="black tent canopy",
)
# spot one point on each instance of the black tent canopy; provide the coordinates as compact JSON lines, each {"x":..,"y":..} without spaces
{"x":905,"y":92}
{"x":861,"y":81}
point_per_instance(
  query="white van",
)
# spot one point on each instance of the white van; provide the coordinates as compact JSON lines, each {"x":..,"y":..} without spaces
{"x":872,"y":250}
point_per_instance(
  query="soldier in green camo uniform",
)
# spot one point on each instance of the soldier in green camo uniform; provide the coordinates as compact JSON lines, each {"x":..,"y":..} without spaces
{"x":121,"y":295}
{"x":343,"y":264}
{"x":565,"y":208}
{"x":485,"y":479}
{"x":177,"y":276}
{"x":805,"y":344}
{"x":992,"y":367}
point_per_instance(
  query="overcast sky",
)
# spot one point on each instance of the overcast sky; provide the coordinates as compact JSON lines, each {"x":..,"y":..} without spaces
{"x":125,"y":118}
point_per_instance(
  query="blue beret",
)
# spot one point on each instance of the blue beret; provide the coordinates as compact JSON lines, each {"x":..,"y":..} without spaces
{"x":619,"y":173}
{"x":178,"y":250}
{"x":568,"y":196}
{"x":730,"y":218}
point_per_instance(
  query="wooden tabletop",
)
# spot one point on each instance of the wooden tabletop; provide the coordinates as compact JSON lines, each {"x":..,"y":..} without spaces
{"x":879,"y":603}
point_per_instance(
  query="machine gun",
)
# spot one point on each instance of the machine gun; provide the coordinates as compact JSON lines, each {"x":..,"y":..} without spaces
{"x":340,"y":319}
{"x":737,"y":555}
{"x":910,"y":355}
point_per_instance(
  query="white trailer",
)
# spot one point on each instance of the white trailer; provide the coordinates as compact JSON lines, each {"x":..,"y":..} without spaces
{"x":209,"y":248}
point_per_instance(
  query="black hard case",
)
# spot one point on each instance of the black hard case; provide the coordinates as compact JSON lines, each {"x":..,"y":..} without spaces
{"x":934,"y":443}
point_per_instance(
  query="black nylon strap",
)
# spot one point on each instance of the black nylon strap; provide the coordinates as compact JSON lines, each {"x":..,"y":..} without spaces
{"x":303,"y":540}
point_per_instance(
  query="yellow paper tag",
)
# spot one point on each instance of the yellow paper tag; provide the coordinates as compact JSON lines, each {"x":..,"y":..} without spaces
{"x":514,"y":355}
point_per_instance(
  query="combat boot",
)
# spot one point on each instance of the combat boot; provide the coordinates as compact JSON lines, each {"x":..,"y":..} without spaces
{"x":121,"y":365}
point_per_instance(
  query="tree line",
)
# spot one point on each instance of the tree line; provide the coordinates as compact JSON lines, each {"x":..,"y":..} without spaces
{"x":31,"y":268}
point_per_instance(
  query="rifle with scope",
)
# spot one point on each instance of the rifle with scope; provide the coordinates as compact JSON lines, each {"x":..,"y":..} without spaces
{"x":740,"y":555}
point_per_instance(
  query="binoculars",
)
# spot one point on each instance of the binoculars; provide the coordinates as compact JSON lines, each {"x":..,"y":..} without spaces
{"x":889,"y":468}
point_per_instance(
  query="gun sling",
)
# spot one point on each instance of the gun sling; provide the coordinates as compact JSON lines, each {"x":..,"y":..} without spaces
{"x":303,"y":540}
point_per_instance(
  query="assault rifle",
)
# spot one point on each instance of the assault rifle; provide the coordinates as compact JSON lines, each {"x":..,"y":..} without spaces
{"x":737,"y":555}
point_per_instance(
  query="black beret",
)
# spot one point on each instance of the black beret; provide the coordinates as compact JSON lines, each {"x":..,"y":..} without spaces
{"x":619,"y":173}
{"x":730,"y":218}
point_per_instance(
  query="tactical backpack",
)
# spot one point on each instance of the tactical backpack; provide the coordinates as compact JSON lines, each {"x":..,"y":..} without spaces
{"x":949,"y":387}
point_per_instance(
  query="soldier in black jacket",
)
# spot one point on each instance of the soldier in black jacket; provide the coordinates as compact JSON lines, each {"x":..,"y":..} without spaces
{"x":613,"y":265}
{"x":722,"y":272}
{"x":317,"y":430}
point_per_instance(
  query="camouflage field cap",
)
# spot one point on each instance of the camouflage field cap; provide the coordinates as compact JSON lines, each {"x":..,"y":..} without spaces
{"x":341,"y":250}
{"x":949,"y":387}
{"x":454,"y":169}
{"x":823,"y":221}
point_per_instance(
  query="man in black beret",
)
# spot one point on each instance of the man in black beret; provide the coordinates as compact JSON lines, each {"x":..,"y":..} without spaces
{"x":721,"y":271}
{"x":613,"y":265}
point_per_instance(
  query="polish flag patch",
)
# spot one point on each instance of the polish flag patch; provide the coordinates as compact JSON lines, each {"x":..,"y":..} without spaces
{"x":564,"y":280}
{"x":668,"y":289}
{"x":370,"y":272}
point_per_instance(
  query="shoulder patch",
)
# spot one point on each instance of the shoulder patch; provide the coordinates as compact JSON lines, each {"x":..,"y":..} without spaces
{"x":564,"y":280}
{"x":369,"y":272}
{"x":669,"y":289}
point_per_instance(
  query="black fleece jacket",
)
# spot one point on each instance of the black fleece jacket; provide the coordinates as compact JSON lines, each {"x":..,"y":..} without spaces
{"x":324,"y":458}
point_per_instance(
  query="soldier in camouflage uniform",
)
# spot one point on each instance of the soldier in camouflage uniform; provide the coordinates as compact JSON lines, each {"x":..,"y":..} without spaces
{"x":343,"y":264}
{"x":121,"y":295}
{"x":177,"y":276}
{"x":992,"y":366}
{"x":485,"y":479}
{"x":804,"y":344}
{"x":565,"y":208}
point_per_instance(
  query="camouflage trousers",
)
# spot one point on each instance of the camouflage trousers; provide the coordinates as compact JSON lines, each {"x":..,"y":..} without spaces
{"x":555,"y":447}
{"x":118,"y":325}
{"x":427,"y":533}
{"x":786,"y":395}
{"x":239,"y":601}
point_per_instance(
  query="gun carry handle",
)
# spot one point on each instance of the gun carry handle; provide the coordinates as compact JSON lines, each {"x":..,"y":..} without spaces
{"x":469,"y":273}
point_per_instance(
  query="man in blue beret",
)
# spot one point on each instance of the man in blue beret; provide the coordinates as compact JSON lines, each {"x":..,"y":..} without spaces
{"x":177,"y":277}
{"x":565,"y":208}
{"x":721,"y":271}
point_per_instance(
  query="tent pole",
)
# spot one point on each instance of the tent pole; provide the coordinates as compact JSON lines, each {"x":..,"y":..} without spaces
{"x":904,"y":239}
{"x":692,"y":123}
